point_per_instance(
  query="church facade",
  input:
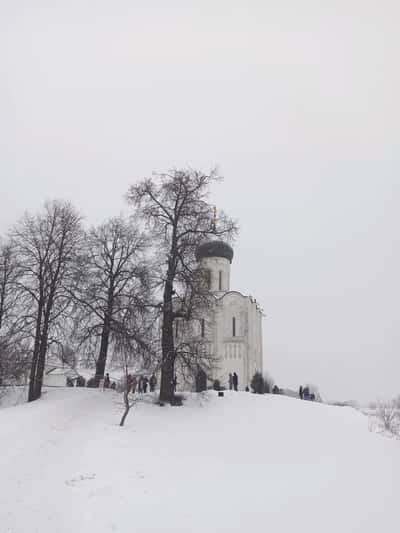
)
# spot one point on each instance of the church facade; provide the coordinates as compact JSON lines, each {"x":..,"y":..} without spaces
{"x":234,"y":331}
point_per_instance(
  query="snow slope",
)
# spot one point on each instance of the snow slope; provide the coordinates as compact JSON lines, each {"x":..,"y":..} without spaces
{"x":239,"y":463}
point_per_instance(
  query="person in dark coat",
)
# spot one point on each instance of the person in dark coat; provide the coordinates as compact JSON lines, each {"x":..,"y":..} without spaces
{"x":140,"y":384}
{"x":80,"y":382}
{"x":235,"y":381}
{"x":145,"y":384}
{"x":134,"y":384}
{"x":301,"y":392}
{"x":175,"y":383}
{"x":107,"y":381}
{"x":128,"y":382}
{"x":153,"y":383}
{"x":230,"y":379}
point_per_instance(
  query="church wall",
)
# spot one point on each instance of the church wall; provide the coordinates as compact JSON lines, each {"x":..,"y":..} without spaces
{"x":239,"y":353}
{"x":233,"y":359}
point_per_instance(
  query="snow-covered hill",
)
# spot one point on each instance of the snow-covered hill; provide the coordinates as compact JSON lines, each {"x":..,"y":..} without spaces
{"x":235,"y":464}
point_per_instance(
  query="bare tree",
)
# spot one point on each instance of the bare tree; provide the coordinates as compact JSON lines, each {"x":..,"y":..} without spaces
{"x":13,"y":346}
{"x":113,"y":283}
{"x":388,"y":417}
{"x":8,"y":278}
{"x":46,"y":245}
{"x":135,"y":345}
{"x":129,"y":400}
{"x":176,"y":208}
{"x":14,"y":359}
{"x":10,"y":360}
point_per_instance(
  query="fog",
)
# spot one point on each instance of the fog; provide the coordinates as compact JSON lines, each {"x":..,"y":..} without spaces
{"x":295,"y":102}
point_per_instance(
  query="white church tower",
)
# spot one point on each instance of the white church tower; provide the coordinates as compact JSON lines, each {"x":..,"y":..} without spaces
{"x":235,"y":335}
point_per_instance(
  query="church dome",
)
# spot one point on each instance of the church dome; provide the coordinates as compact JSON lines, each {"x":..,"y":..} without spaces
{"x":214,"y":249}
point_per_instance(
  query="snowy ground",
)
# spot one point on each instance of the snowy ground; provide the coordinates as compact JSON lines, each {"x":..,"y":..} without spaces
{"x":240,"y":463}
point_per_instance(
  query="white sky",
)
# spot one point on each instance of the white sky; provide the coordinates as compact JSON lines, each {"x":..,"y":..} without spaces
{"x":298,"y":105}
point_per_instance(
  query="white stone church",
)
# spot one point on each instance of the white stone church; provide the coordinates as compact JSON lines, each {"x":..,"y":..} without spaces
{"x":235,"y":332}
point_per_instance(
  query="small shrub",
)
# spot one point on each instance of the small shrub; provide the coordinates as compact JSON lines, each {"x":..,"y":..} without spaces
{"x":80,"y":381}
{"x":201,"y":381}
{"x":257,"y":383}
{"x":217,"y":385}
{"x":388,"y":417}
{"x":177,"y":400}
{"x":91,"y":383}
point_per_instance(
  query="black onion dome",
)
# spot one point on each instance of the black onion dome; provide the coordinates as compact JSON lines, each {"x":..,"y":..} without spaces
{"x":214,"y":249}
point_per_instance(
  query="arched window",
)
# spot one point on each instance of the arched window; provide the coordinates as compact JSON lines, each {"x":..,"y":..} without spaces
{"x":234,"y":327}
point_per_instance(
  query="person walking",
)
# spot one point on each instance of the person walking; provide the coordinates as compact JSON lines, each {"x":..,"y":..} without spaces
{"x":145,"y":383}
{"x":235,"y":381}
{"x":128,"y":383}
{"x":153,"y":383}
{"x":107,"y":381}
{"x":301,"y":392}
{"x":140,"y":385}
{"x":134,"y":384}
{"x":175,"y":383}
{"x":230,"y":379}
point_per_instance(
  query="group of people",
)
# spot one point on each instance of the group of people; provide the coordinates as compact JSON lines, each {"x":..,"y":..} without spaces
{"x":141,"y":383}
{"x":233,"y":381}
{"x":102,"y":383}
{"x":106,"y":383}
{"x":306,"y":394}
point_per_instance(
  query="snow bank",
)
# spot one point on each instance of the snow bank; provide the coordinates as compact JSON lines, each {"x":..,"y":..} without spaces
{"x":11,"y":396}
{"x":238,"y":463}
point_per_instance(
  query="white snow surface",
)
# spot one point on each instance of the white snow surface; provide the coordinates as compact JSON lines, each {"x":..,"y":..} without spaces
{"x":239,"y":463}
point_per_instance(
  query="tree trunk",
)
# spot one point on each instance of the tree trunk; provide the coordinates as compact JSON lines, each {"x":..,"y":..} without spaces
{"x":127,"y":407}
{"x":41,"y":362}
{"x":102,"y":359}
{"x":168,"y":349}
{"x":2,"y":300}
{"x":168,"y":367}
{"x":44,"y":338}
{"x":35,"y":356}
{"x":32,"y":376}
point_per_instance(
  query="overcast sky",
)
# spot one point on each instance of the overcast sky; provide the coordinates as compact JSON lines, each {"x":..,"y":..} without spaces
{"x":297,"y":102}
